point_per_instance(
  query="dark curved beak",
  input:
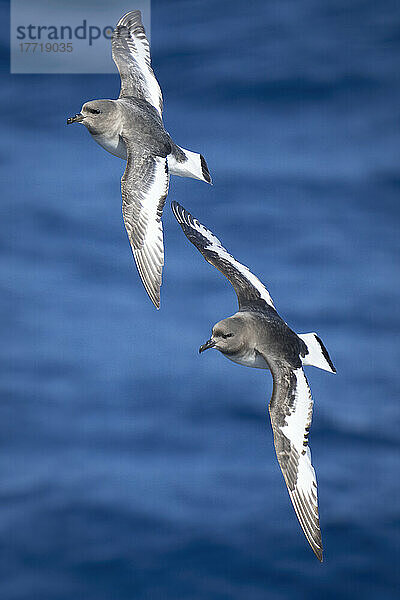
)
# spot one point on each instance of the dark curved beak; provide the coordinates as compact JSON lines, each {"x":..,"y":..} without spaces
{"x":76,"y":119}
{"x":209,"y":344}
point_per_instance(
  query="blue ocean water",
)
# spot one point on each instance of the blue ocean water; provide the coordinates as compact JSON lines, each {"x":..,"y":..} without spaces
{"x":131,"y":467}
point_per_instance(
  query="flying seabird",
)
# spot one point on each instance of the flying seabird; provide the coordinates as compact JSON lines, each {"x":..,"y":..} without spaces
{"x":256,"y":336}
{"x":131,"y":128}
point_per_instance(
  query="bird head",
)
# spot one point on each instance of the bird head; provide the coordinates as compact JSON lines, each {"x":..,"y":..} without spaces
{"x":227,"y":337}
{"x":94,"y":115}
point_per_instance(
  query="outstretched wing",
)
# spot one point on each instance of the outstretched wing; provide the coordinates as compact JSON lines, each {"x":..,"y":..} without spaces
{"x":144,"y":187}
{"x":248,"y":288}
{"x":131,"y":54}
{"x":291,"y":413}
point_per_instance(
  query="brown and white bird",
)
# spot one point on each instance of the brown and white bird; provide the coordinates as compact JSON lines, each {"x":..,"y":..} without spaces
{"x":131,"y":128}
{"x":256,"y":336}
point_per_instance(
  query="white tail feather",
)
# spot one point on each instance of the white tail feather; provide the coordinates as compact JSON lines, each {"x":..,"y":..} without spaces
{"x":194,"y":166}
{"x":317,"y":353}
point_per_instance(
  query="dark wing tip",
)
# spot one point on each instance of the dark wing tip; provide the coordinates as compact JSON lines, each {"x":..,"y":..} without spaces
{"x":204,"y":169}
{"x":318,"y":551}
{"x":151,"y":285}
{"x":191,"y":227}
{"x":175,"y":206}
{"x":309,"y":522}
{"x":325,"y":353}
{"x":131,"y":22}
{"x":181,"y":215}
{"x":153,"y":294}
{"x":130,"y":17}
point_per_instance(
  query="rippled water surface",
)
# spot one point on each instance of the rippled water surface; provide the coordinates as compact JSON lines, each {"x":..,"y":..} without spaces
{"x":130,"y":467}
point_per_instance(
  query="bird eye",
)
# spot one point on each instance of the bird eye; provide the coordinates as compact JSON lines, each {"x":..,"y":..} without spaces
{"x":94,"y":111}
{"x":227,"y":335}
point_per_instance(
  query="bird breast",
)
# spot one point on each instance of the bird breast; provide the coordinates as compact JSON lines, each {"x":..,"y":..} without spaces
{"x":249,"y":358}
{"x":112,"y":143}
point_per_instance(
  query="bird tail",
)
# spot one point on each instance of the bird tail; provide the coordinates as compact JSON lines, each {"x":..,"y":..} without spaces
{"x":185,"y":163}
{"x":317,"y":353}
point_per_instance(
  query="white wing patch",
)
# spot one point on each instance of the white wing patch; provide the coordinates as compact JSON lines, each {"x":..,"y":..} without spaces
{"x":142,"y":211}
{"x":294,"y":457}
{"x":139,"y":51}
{"x":214,"y":245}
{"x":301,"y":415}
